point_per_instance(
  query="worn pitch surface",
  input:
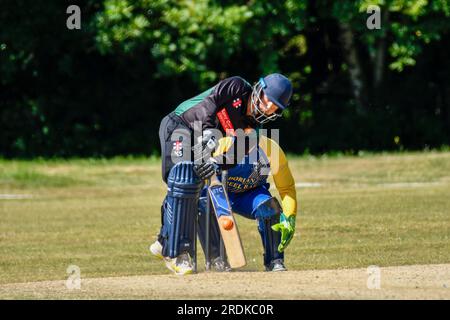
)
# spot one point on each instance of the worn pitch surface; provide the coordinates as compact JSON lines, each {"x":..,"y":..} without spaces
{"x":405,"y":282}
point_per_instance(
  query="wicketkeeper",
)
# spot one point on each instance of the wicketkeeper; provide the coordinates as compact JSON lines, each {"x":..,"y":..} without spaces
{"x":249,"y":195}
{"x":230,"y":105}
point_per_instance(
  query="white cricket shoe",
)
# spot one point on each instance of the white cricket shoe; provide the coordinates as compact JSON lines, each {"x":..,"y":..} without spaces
{"x":180,"y":265}
{"x":276,"y":265}
{"x":220,"y":265}
{"x":156,"y":249}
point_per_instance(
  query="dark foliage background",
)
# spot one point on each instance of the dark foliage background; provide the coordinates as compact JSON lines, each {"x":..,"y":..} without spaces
{"x":102,"y":90}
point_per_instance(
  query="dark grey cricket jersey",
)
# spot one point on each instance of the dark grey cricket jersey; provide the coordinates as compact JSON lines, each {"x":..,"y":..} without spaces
{"x":222,"y":106}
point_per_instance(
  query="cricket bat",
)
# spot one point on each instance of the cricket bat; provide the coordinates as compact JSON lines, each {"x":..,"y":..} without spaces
{"x":227,"y":223}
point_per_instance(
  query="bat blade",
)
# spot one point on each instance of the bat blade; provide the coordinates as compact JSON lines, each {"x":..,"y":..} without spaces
{"x":230,"y":236}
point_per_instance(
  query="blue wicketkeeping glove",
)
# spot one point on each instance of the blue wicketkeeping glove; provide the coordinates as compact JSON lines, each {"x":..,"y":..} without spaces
{"x":287,"y":228}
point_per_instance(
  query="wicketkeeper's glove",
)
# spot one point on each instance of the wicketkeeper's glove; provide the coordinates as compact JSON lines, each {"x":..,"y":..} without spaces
{"x":287,"y":228}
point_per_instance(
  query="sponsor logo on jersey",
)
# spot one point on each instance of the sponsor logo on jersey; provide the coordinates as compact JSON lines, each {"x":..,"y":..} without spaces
{"x":225,"y":121}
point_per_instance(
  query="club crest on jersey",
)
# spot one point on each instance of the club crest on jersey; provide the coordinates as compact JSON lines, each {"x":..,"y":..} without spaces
{"x":237,"y":103}
{"x":178,"y":148}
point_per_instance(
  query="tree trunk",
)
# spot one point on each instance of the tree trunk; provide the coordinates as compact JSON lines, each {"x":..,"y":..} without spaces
{"x":354,"y":67}
{"x":380,"y":58}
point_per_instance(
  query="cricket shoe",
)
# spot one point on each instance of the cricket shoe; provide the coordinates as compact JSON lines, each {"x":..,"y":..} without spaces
{"x":156,"y":249}
{"x":220,"y":265}
{"x":180,"y":265}
{"x":276,"y":266}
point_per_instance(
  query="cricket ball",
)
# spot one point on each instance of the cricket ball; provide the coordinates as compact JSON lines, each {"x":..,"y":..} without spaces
{"x":227,"y":224}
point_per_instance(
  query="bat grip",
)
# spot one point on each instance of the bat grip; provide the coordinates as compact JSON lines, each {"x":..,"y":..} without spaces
{"x":224,"y":174}
{"x":208,"y":224}
{"x":194,"y":258}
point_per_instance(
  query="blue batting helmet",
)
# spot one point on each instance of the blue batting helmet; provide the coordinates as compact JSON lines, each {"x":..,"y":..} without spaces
{"x":278,"y":89}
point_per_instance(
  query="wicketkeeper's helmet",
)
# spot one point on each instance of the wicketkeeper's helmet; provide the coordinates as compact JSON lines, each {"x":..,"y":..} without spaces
{"x":278,"y":89}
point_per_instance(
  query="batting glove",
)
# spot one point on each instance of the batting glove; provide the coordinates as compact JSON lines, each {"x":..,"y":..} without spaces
{"x":204,"y":165}
{"x":205,"y":170}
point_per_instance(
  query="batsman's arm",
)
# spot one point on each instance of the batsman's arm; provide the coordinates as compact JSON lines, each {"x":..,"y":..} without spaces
{"x":204,"y":107}
{"x":228,"y":88}
{"x":221,"y":93}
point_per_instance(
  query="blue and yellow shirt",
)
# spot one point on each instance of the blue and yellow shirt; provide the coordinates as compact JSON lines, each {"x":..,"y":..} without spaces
{"x":266,"y":158}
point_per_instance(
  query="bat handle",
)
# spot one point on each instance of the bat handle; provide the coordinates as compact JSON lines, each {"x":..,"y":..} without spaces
{"x":208,"y":224}
{"x":225,"y":187}
{"x":224,"y":180}
{"x":194,"y":258}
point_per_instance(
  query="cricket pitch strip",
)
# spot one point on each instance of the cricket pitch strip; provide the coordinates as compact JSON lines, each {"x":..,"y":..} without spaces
{"x":402,"y":282}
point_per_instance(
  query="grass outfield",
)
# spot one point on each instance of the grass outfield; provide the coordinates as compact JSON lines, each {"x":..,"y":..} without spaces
{"x":101,"y":215}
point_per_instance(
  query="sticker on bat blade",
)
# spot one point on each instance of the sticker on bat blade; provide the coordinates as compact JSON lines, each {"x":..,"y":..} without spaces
{"x":219,"y":200}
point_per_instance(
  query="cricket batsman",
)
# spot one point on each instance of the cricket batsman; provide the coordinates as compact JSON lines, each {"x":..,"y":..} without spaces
{"x":230,"y":105}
